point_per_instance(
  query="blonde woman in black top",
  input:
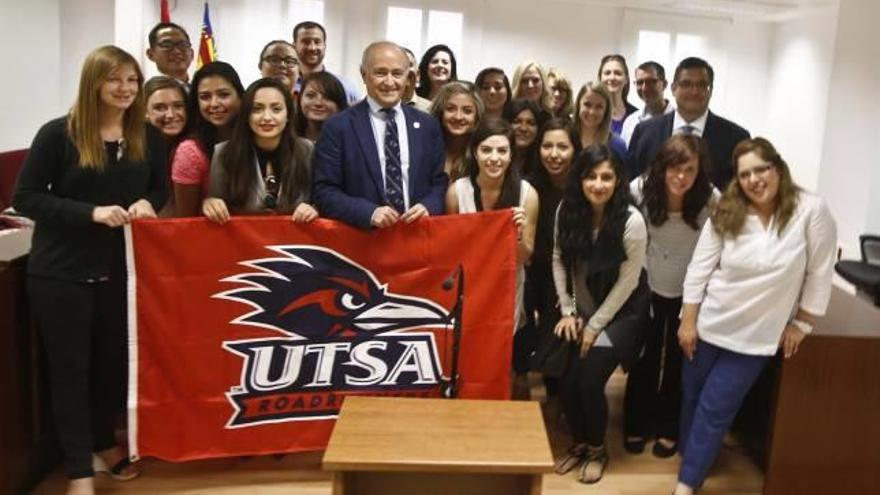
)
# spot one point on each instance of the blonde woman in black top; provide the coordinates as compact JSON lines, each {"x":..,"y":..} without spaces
{"x":88,"y":174}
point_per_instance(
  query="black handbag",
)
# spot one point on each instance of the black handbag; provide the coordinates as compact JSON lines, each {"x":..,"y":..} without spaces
{"x":551,"y":356}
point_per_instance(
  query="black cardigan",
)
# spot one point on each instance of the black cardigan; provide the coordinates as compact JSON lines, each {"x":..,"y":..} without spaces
{"x":60,"y":196}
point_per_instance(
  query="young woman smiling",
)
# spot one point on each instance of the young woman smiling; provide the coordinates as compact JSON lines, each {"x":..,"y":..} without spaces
{"x":322,"y":96}
{"x":494,"y":89}
{"x":437,"y":67}
{"x":459,"y":110}
{"x":264,"y":167}
{"x":598,"y":269}
{"x":593,"y":120}
{"x":675,"y":196}
{"x":614,"y":75}
{"x":213,"y":109}
{"x":87,"y":174}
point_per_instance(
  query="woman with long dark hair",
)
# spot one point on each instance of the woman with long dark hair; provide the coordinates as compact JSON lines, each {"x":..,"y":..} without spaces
{"x":525,"y":117}
{"x":493,"y":184}
{"x":264,"y":167}
{"x":213,"y":109}
{"x":675,"y":197}
{"x":759,"y":278}
{"x":437,"y":67}
{"x":87,"y":174}
{"x":598,"y":269}
{"x":321,"y":97}
{"x":494,"y":89}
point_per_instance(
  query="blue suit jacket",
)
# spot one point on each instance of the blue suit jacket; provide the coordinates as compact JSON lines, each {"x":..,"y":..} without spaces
{"x":720,"y":134}
{"x":348,"y":183}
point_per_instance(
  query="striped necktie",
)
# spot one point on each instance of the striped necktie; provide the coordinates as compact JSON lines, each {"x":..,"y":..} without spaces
{"x":393,"y":170}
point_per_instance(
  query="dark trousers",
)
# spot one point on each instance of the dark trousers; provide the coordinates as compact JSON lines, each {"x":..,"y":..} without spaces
{"x":582,"y":392}
{"x":714,"y":385}
{"x":541,"y":303}
{"x":82,"y":326}
{"x":653,"y":390}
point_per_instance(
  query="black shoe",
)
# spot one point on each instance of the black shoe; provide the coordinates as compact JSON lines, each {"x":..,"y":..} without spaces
{"x":662,"y":451}
{"x":575,"y":456}
{"x":634,"y":445}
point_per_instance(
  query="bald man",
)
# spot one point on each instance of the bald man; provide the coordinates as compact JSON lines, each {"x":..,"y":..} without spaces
{"x":379,"y":162}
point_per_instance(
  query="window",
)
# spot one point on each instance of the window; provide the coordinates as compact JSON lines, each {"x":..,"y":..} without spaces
{"x":305,"y":10}
{"x":670,"y":48}
{"x":415,"y":30}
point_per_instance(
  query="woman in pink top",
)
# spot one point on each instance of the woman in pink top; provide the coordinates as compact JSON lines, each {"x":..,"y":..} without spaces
{"x":214,"y":104}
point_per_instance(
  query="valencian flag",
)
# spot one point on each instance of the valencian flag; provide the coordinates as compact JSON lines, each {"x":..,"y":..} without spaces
{"x":245,"y":338}
{"x":206,"y":41}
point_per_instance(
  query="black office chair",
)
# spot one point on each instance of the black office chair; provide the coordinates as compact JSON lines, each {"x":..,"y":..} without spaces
{"x":864,"y":274}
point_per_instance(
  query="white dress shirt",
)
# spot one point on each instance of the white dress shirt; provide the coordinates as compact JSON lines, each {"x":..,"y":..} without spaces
{"x":377,"y":122}
{"x":699,"y":124}
{"x":748,"y":286}
{"x":629,"y":125}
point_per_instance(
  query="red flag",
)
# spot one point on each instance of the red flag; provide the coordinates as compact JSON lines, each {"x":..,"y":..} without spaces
{"x":165,"y":16}
{"x":207,"y":53}
{"x":246,"y":337}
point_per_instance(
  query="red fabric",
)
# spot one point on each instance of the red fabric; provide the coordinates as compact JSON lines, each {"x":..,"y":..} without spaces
{"x":10,"y":165}
{"x":187,"y":358}
{"x":165,"y":16}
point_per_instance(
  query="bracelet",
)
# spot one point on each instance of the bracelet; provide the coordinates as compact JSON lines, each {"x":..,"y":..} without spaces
{"x":802,"y":325}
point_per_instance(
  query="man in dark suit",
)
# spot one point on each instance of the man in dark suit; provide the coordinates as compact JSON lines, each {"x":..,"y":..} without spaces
{"x":692,"y":88}
{"x":380,"y":162}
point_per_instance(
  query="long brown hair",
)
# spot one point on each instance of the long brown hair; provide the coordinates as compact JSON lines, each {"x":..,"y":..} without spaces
{"x":730,"y":214}
{"x":677,"y":150}
{"x":603,"y":132}
{"x":83,"y":123}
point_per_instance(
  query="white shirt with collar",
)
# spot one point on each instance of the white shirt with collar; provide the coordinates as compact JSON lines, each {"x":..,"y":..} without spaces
{"x":629,"y":125}
{"x":699,"y":124}
{"x":377,"y":122}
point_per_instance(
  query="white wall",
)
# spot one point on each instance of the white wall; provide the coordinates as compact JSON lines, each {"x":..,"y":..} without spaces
{"x":29,"y":49}
{"x":848,"y":175}
{"x":797,"y":91}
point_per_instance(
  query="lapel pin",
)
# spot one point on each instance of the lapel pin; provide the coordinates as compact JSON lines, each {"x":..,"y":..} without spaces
{"x":417,"y":125}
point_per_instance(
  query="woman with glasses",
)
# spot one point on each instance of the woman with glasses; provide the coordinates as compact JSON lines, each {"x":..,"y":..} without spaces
{"x":213,"y":108}
{"x":560,"y":90}
{"x":87,"y":174}
{"x":278,"y":60}
{"x":264,"y":168}
{"x":322,"y":96}
{"x":759,"y":278}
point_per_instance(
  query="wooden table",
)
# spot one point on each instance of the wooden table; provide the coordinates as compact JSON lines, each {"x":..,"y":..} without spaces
{"x":825,"y":430}
{"x":393,"y":446}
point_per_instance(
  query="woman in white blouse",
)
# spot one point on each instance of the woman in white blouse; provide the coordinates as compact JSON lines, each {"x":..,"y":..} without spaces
{"x":767,"y":252}
{"x":598,"y":270}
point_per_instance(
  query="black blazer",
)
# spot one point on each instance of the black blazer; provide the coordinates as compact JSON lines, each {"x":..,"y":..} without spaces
{"x":721,"y":137}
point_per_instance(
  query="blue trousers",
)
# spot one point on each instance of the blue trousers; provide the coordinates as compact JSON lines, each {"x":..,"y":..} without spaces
{"x":714,"y":385}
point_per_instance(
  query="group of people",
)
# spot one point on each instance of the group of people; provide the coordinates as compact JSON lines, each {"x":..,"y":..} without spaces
{"x":649,"y":239}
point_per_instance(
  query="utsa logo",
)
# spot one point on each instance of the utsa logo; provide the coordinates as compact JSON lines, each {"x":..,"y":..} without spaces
{"x":342,"y":332}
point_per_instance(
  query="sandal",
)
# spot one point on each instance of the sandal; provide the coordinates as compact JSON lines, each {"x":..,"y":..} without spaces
{"x":576,"y":455}
{"x":123,"y":470}
{"x":594,"y":467}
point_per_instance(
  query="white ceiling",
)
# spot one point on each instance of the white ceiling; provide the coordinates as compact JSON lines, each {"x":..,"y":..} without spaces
{"x":768,"y":10}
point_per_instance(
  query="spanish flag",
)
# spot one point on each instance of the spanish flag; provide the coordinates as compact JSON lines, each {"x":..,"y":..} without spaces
{"x":206,"y":42}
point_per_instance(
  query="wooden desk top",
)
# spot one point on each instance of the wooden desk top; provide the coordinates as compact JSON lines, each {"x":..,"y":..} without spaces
{"x":849,"y":316}
{"x":434,"y":435}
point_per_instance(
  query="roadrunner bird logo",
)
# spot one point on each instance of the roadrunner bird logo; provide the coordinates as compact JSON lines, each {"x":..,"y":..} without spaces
{"x":341,"y":331}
